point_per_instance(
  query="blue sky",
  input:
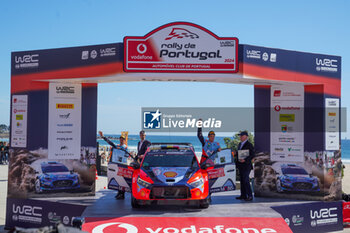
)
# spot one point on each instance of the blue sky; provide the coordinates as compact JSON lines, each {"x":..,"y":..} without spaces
{"x":310,"y":26}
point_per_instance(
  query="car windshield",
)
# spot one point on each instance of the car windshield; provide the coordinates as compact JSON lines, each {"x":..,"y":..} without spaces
{"x":55,"y":168}
{"x":294,"y":171}
{"x":170,"y":160}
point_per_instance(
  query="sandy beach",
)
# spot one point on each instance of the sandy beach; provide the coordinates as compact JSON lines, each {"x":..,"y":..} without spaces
{"x":346,"y":179}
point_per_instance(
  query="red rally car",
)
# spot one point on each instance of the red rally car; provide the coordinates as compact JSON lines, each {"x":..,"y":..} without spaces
{"x":171,"y":174}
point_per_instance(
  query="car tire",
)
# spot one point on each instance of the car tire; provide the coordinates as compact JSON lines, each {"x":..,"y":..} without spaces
{"x":204,"y":204}
{"x":278,"y":186}
{"x":134,"y":203}
{"x":38,"y":186}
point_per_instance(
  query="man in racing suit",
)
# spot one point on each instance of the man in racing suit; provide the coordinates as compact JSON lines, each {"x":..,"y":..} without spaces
{"x":121,"y":193}
{"x":209,"y":146}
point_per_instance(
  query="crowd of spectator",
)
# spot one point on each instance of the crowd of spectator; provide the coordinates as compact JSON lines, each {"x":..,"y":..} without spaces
{"x":4,"y":152}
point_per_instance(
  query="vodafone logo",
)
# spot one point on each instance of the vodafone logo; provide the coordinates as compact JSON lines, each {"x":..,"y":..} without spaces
{"x":185,"y":225}
{"x":141,"y":48}
{"x":117,"y":227}
{"x":18,"y":110}
{"x":277,"y":108}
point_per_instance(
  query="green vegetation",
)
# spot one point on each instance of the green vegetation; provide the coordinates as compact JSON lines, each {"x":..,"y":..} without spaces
{"x":4,"y":128}
{"x":233,"y":143}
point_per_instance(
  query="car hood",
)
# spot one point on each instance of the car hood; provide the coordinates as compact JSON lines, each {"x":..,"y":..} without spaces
{"x":170,"y":175}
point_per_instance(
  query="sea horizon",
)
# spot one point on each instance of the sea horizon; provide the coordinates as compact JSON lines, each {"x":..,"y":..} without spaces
{"x":133,"y":139}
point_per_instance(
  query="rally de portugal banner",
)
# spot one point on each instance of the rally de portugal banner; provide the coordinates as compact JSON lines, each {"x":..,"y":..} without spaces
{"x":185,"y":225}
{"x":181,"y":47}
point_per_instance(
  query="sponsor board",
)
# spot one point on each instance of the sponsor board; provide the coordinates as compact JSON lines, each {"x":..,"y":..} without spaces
{"x":64,"y":121}
{"x":181,"y":47}
{"x":332,"y":120}
{"x":19,"y":121}
{"x":29,"y":213}
{"x":287,"y":123}
{"x":185,"y":225}
{"x":312,"y":217}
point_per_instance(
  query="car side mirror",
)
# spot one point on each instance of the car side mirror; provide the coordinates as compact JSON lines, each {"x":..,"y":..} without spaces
{"x":135,"y":165}
{"x":205,"y":166}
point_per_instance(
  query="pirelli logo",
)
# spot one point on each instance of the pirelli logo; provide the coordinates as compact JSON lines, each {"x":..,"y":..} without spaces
{"x":64,"y":106}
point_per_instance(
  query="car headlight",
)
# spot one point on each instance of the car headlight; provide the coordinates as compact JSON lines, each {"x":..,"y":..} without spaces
{"x":143,"y":183}
{"x":47,"y":178}
{"x":197,"y":183}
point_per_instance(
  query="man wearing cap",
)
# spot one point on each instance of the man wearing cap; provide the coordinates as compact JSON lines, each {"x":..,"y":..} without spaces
{"x":209,"y":146}
{"x":244,"y":165}
{"x":121,"y":193}
{"x":142,"y":146}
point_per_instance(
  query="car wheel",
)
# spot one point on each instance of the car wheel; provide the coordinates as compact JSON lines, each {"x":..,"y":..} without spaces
{"x":278,"y":186}
{"x":204,"y":204}
{"x":38,"y":186}
{"x":134,"y":203}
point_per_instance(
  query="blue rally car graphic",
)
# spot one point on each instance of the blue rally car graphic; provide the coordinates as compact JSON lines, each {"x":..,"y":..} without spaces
{"x":55,"y":176}
{"x":295,"y":178}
